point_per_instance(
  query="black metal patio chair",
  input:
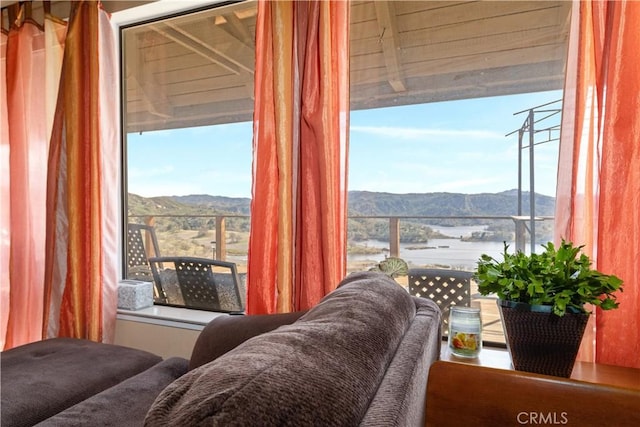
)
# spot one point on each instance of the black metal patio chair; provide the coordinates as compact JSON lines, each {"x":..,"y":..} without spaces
{"x":204,"y":283}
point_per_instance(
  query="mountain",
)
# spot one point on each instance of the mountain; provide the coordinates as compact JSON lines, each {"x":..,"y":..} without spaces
{"x":446,"y":204}
{"x":361,"y":203}
{"x":195,"y":212}
{"x":238,"y":205}
{"x":197,"y":204}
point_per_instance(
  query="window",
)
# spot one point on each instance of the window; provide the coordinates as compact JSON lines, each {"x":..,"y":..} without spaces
{"x":188,"y":106}
{"x":434,"y":137}
{"x":434,"y":89}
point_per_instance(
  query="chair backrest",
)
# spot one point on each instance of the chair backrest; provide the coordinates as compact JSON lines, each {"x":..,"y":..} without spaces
{"x":444,"y":287}
{"x":205,"y":284}
{"x":138,"y":253}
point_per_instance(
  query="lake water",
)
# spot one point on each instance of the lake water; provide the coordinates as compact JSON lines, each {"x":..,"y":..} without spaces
{"x":441,"y":252}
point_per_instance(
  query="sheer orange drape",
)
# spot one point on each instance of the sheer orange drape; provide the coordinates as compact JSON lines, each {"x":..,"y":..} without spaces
{"x":31,"y":59}
{"x":81,"y":260}
{"x":5,"y":245}
{"x":59,"y":206}
{"x":598,"y":195}
{"x":297,"y":250}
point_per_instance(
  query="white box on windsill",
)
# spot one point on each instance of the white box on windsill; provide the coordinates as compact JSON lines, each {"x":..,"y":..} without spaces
{"x":135,"y":294}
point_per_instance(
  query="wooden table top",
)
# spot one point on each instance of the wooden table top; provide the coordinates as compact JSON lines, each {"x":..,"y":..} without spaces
{"x":618,"y":376}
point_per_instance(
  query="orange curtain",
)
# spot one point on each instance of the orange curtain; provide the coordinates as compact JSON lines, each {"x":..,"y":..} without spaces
{"x":598,"y":195}
{"x":81,"y":262}
{"x":30,"y":62}
{"x":5,"y":244}
{"x":59,"y":175}
{"x":297,"y":249}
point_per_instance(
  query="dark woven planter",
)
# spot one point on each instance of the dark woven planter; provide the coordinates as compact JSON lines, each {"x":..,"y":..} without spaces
{"x":539,"y":341}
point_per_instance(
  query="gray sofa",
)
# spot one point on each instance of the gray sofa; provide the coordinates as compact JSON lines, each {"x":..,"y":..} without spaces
{"x":359,"y":357}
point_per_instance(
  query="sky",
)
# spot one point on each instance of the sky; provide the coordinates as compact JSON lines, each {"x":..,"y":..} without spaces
{"x":454,"y":146}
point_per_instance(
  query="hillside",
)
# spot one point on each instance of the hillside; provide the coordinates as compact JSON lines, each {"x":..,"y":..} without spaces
{"x":446,"y":204}
{"x":194,"y":213}
{"x":201,"y":204}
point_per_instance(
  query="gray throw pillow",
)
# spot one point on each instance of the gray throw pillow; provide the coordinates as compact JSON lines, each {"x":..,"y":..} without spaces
{"x":323,"y":370}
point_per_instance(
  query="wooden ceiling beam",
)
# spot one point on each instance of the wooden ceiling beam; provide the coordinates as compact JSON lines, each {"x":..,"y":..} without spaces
{"x":236,"y":60}
{"x":473,"y":83}
{"x":194,"y":115}
{"x":237,"y":29}
{"x":199,"y":47}
{"x":388,"y":30}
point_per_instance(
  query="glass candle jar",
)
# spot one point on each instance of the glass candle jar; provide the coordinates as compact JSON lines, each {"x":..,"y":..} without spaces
{"x":465,"y":331}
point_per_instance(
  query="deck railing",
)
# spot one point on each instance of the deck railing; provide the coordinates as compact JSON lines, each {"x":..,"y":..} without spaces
{"x":220,"y":243}
{"x":493,"y":333}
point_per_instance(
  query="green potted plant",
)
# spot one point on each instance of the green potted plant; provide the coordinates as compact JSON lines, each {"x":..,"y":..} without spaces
{"x":543,"y":300}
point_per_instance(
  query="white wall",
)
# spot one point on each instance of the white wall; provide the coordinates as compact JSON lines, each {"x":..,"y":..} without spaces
{"x":165,"y":341}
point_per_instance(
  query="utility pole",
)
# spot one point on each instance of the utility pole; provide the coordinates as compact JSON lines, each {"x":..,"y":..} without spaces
{"x":528,"y":126}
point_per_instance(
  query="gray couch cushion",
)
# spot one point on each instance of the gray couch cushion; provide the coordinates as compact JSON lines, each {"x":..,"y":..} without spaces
{"x":322,"y":370}
{"x":400,"y":400}
{"x":225,"y":333}
{"x":45,"y":377}
{"x":125,"y":404}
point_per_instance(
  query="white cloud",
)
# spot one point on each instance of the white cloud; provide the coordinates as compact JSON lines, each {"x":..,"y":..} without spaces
{"x":421,"y":133}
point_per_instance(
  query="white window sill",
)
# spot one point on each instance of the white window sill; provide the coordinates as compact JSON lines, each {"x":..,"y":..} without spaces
{"x":170,"y":316}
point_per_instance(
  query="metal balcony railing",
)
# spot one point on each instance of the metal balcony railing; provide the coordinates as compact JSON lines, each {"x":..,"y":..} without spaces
{"x":220,"y":237}
{"x":219,"y":243}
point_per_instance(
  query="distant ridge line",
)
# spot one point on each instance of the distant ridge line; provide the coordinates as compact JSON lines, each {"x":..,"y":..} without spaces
{"x":361,"y":203}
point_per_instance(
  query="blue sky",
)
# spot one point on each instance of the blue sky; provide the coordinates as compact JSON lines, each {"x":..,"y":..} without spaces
{"x":455,"y":146}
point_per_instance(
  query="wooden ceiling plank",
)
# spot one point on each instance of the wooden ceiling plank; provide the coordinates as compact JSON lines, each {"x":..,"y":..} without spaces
{"x":443,"y":51}
{"x":184,"y":63}
{"x":499,"y":81}
{"x":457,"y":94}
{"x":479,"y":62}
{"x":196,"y":115}
{"x":388,"y":28}
{"x":199,"y":87}
{"x":215,"y":80}
{"x":215,"y":39}
{"x":489,"y":31}
{"x":527,"y":23}
{"x":510,"y":75}
{"x":514,"y":27}
{"x":487,"y":46}
{"x":461,"y":14}
{"x":220,"y":95}
{"x":183,"y":40}
{"x":140,"y":75}
{"x":361,"y":11}
{"x":230,"y":47}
